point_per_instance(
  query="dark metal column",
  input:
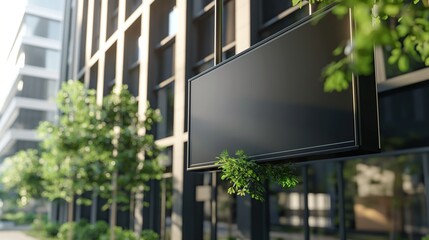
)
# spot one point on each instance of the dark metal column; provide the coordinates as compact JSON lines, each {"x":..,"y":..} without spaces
{"x":217,"y":59}
{"x":218,"y":8}
{"x":425,"y":159}
{"x":305,"y":194}
{"x":213,"y":231}
{"x":341,"y":210}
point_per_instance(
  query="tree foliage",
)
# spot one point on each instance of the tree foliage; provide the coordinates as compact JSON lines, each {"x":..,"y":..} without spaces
{"x":400,"y":27}
{"x":123,"y":136}
{"x":22,"y":173}
{"x":248,"y":177}
{"x":65,"y":143}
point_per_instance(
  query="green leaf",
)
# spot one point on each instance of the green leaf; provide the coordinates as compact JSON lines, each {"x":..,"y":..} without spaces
{"x":296,"y":2}
{"x":403,"y":63}
{"x":391,"y":9}
{"x":402,"y":30}
{"x":338,"y":51}
{"x":340,"y":10}
{"x":395,"y":54}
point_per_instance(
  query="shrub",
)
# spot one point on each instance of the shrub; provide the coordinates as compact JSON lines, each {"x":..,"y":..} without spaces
{"x":149,"y":235}
{"x":120,"y":234}
{"x":45,"y":228}
{"x":98,"y":229}
{"x":37,"y":225}
{"x":51,"y":229}
{"x":64,"y":229}
{"x":82,"y":230}
{"x":90,"y":231}
{"x":19,"y":218}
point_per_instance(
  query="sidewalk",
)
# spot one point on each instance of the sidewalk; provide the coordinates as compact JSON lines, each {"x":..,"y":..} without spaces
{"x":14,"y":235}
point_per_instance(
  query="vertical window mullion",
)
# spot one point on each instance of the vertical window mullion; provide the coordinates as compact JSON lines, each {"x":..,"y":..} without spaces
{"x":341,"y":209}
{"x":305,"y":198}
{"x":425,"y":159}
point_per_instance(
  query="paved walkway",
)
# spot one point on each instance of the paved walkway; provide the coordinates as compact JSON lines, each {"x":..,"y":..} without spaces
{"x":14,"y":235}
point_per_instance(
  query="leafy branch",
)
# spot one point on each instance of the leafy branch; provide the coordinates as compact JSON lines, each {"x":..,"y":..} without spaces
{"x":248,"y":177}
{"x":400,"y":27}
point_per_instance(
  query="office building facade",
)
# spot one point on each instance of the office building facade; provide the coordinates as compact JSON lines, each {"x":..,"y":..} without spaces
{"x":155,"y":46}
{"x":33,"y":79}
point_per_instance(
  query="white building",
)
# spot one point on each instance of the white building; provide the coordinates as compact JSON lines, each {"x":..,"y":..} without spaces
{"x":32,"y":78}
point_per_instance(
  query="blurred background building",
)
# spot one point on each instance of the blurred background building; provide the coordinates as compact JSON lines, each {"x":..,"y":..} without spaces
{"x":31,"y":79}
{"x":155,"y":46}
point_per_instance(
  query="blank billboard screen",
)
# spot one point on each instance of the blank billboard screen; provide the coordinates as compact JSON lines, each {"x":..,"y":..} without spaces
{"x":270,"y":102}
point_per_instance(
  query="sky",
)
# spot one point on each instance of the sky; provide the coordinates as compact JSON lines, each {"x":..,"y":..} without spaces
{"x":9,"y":22}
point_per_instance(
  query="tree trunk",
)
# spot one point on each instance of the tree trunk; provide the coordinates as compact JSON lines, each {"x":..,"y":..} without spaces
{"x":70,"y":217}
{"x":113,"y":208}
{"x":138,"y":212}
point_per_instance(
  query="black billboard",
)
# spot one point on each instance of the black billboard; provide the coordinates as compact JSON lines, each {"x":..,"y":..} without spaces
{"x":269,"y":101}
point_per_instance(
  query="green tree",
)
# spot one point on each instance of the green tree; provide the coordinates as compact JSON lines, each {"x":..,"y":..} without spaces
{"x":22,"y":173}
{"x":65,"y":142}
{"x":127,"y":149}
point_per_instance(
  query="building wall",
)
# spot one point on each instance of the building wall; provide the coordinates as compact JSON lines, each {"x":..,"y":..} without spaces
{"x":35,"y":55}
{"x":155,"y":46}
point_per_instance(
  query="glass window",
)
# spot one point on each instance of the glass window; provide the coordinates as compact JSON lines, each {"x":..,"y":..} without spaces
{"x":132,"y":5}
{"x":205,"y":28}
{"x":132,"y":58}
{"x":54,"y":5}
{"x":96,"y":26}
{"x":110,"y":70}
{"x":132,"y":44}
{"x":93,"y":78}
{"x":204,"y":67}
{"x":323,"y":200}
{"x":166,"y":200}
{"x":38,"y":88}
{"x":165,"y":17}
{"x":199,"y":5}
{"x":42,"y":27}
{"x":392,"y":70}
{"x":385,"y":198}
{"x":229,"y":53}
{"x":172,"y":21}
{"x":404,"y":119}
{"x":229,"y":23}
{"x":112,"y":17}
{"x":82,"y":47}
{"x":272,"y":8}
{"x":132,"y":80}
{"x":22,"y":145}
{"x":283,"y":23}
{"x":286,"y":212}
{"x":29,"y":119}
{"x":226,"y":212}
{"x":166,"y":62}
{"x":274,"y":18}
{"x":166,"y":158}
{"x":165,"y":100}
{"x":42,"y":57}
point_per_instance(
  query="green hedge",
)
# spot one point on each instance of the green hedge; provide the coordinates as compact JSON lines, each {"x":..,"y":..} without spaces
{"x":82,"y":230}
{"x":19,"y":218}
